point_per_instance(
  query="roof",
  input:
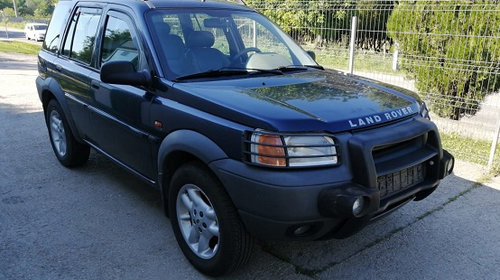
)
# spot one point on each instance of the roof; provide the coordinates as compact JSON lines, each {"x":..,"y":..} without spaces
{"x":143,"y":4}
{"x":197,"y":4}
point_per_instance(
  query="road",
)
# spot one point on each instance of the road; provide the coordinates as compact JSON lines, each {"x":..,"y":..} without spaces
{"x":15,"y":34}
{"x":99,"y":222}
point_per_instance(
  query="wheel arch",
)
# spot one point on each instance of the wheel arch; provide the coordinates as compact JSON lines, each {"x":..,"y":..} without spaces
{"x":49,"y":89}
{"x":180,"y":147}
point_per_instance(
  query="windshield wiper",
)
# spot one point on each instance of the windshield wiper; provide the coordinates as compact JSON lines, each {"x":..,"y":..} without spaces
{"x":270,"y":71}
{"x":214,"y":73}
{"x":290,"y":68}
{"x":229,"y":72}
{"x":246,"y":71}
{"x":315,"y":67}
{"x":298,"y":67}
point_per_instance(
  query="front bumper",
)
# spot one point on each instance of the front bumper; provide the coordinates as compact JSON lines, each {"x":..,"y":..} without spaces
{"x":317,"y":203}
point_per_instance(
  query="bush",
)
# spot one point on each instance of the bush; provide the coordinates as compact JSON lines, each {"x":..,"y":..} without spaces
{"x":451,"y":49}
{"x":327,"y":21}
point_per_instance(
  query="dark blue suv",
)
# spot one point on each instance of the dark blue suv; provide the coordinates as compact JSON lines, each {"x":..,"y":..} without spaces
{"x":243,"y":132}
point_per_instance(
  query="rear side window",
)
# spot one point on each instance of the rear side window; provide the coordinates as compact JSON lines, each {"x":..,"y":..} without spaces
{"x":118,"y":44}
{"x":79,"y":44}
{"x":59,"y":18}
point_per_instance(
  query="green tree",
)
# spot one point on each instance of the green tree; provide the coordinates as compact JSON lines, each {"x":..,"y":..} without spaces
{"x":6,"y":13}
{"x":37,"y":8}
{"x":306,"y":20}
{"x":329,"y":21}
{"x":372,"y":19}
{"x":451,"y":49}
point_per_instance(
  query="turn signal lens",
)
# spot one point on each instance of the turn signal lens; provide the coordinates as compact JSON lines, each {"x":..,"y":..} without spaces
{"x":269,"y":150}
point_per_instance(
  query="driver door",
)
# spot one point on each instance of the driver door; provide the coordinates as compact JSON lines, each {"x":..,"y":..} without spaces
{"x":119,"y":114}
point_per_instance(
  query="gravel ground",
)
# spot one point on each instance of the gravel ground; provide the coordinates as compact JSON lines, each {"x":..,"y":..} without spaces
{"x":99,"y":222}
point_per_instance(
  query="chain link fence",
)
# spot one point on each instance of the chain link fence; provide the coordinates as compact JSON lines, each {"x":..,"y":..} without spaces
{"x":447,"y":50}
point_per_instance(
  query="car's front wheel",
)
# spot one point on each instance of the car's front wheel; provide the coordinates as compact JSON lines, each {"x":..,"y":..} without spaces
{"x":205,"y":222}
{"x":67,"y":149}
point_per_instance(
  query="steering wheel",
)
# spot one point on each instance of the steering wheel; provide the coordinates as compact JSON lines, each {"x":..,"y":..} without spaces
{"x":242,"y":52}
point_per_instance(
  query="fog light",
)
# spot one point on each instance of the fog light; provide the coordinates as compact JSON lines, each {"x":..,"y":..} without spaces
{"x":357,"y":206}
{"x":301,"y":230}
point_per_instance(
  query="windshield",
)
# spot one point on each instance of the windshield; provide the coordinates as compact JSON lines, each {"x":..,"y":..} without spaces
{"x":195,"y":41}
{"x":40,"y":27}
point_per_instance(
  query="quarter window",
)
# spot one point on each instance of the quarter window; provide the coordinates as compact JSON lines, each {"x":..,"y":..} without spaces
{"x":81,"y":36}
{"x":118,"y":43}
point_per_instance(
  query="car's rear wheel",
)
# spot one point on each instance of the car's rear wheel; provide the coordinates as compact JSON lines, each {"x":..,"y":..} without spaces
{"x":205,"y":222}
{"x":67,"y":149}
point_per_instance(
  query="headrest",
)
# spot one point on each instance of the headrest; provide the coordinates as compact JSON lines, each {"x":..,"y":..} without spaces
{"x":163,"y":28}
{"x":200,"y":39}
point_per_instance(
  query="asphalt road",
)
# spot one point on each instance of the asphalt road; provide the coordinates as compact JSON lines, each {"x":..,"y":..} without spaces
{"x":99,"y":222}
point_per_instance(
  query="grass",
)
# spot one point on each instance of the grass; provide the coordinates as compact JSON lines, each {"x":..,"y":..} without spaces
{"x":337,"y":57}
{"x":470,"y":149}
{"x":19,"y":47}
{"x":20,"y":24}
{"x":12,"y":24}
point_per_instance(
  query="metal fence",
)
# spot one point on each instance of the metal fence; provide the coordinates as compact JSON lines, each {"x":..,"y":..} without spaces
{"x":447,"y":50}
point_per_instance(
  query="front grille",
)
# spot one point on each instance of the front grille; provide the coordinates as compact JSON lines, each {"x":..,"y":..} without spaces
{"x":400,"y":180}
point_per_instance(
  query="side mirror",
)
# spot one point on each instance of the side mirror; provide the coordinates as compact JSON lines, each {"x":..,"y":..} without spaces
{"x":123,"y":73}
{"x":312,"y":54}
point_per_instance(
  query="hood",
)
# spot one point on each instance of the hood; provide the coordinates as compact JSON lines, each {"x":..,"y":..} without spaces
{"x":308,"y":101}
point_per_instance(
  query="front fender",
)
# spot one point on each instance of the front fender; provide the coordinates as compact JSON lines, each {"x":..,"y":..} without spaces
{"x":184,"y":141}
{"x":191,"y":142}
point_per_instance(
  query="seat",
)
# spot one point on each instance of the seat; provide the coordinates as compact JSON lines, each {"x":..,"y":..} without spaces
{"x":173,"y":48}
{"x":201,"y":54}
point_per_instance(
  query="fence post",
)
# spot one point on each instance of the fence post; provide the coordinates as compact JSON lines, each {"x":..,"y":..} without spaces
{"x":494,"y":146}
{"x":395,"y":58}
{"x":254,"y":34}
{"x":352,"y":44}
{"x":15,"y":8}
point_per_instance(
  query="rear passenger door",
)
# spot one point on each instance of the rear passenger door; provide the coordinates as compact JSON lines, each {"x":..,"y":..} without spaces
{"x":76,"y":62}
{"x":119,"y":114}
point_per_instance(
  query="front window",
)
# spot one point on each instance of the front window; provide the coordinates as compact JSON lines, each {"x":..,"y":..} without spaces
{"x":118,"y":44}
{"x":196,"y":41}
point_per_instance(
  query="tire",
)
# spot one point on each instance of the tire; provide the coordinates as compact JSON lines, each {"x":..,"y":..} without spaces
{"x":67,"y":149}
{"x":204,"y":219}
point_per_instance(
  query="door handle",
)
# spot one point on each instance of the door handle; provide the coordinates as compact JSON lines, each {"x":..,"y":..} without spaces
{"x":95,"y":84}
{"x":59,"y":68}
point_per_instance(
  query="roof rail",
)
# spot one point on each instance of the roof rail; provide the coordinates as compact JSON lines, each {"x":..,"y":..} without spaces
{"x":150,"y":5}
{"x":241,"y":2}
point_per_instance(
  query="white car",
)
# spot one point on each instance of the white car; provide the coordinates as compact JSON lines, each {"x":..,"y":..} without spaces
{"x":35,"y":31}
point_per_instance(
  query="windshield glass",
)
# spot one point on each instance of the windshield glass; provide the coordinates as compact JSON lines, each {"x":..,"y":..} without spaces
{"x":40,"y":27}
{"x":201,"y":40}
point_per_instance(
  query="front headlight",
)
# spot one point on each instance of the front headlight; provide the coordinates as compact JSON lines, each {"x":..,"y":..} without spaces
{"x":292,"y":150}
